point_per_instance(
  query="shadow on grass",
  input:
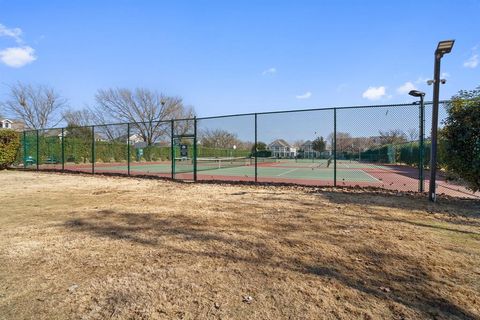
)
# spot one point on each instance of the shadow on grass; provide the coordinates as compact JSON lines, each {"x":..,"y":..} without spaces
{"x":413,"y":202}
{"x":412,"y":285}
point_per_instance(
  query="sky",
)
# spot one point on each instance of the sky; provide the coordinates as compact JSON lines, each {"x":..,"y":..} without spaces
{"x":225,"y":57}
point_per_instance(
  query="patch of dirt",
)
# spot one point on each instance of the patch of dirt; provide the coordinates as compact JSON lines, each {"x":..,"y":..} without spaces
{"x":96,"y":247}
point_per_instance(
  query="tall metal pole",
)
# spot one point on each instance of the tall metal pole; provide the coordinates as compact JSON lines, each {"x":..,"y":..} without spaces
{"x":63,"y":149}
{"x":128,"y":148}
{"x":255,"y":150}
{"x":421,"y":177}
{"x":172,"y":151}
{"x":93,"y":150}
{"x":195,"y":149}
{"x":24,"y":150}
{"x":38,"y":152}
{"x":335,"y":147}
{"x":433,"y":156}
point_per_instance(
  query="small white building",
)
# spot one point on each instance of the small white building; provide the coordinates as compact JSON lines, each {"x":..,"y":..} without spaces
{"x":17,"y":125}
{"x":6,"y":124}
{"x":282,"y":149}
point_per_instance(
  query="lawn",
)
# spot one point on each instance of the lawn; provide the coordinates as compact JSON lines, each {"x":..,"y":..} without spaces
{"x":96,"y":247}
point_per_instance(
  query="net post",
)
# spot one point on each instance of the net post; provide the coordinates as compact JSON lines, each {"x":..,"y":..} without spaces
{"x":335,"y":147}
{"x":38,"y":151}
{"x":195,"y":149}
{"x":128,"y":148}
{"x":93,"y":150}
{"x":24,"y":150}
{"x":172,"y":151}
{"x":63,"y":149}
{"x":255,"y":149}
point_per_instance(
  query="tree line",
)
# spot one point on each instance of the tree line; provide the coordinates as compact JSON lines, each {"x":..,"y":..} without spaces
{"x":41,"y":106}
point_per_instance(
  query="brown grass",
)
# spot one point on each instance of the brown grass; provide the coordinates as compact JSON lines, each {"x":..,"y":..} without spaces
{"x":145,"y":249}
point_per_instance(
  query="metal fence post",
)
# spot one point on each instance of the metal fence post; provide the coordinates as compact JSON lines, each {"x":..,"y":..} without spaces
{"x":24,"y":149}
{"x":255,"y":150}
{"x":335,"y":147}
{"x":128,"y":148}
{"x":195,"y":149}
{"x":93,"y":150}
{"x":38,"y":151}
{"x":63,"y":149}
{"x":172,"y":151}
{"x":421,"y":146}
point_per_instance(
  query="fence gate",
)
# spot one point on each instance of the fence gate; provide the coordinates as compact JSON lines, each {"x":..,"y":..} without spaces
{"x":184,"y":149}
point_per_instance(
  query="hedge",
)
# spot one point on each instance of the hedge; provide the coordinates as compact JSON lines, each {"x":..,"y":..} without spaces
{"x":79,"y":150}
{"x":9,"y":147}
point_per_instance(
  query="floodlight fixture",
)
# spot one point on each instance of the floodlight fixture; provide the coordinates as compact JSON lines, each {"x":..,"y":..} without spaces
{"x":416,"y":93}
{"x":444,"y":47}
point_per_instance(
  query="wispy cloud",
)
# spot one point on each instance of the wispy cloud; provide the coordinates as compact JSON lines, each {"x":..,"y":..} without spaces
{"x":471,"y":62}
{"x":406,"y":88}
{"x":374,"y":93}
{"x":306,"y":95}
{"x":15,"y":33}
{"x":18,"y":56}
{"x":271,"y":70}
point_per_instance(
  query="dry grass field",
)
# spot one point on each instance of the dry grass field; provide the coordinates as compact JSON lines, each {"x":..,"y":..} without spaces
{"x":96,"y":247}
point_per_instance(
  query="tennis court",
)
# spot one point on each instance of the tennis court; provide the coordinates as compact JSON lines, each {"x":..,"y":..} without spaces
{"x":243,"y":169}
{"x":311,"y":172}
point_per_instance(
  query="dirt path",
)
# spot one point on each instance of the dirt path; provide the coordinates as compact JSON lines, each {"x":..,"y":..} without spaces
{"x":95,"y":247}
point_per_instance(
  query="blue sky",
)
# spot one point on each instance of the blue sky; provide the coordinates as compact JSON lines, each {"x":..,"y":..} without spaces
{"x":227,"y":57}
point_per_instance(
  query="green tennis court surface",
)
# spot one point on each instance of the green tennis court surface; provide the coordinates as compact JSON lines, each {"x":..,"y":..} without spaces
{"x":285,"y":169}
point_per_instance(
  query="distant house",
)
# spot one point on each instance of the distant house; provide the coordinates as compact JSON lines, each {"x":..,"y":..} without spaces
{"x":282,"y":149}
{"x":6,"y":124}
{"x":16,"y":125}
{"x":134,"y":139}
{"x":308,"y":152}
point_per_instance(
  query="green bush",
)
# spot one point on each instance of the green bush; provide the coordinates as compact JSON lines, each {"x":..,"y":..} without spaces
{"x":9,"y":146}
{"x":461,"y":134}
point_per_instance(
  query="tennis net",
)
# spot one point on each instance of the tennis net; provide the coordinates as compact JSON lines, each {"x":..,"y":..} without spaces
{"x":220,"y":163}
{"x":186,"y":164}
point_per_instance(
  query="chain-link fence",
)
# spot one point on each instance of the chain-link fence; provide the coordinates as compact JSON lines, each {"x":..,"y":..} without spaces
{"x":385,"y":146}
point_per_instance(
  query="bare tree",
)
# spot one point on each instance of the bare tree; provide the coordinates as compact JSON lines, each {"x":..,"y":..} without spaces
{"x":413,"y":134}
{"x":79,"y":118}
{"x":219,"y":139}
{"x":38,"y":106}
{"x":344,"y":141}
{"x":393,"y":136}
{"x":145,"y":109}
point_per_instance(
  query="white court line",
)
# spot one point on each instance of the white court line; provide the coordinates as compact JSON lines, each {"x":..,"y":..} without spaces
{"x":368,"y":174}
{"x":281,"y":174}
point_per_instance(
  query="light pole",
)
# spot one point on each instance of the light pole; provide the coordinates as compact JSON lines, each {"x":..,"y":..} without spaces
{"x":443,"y":47}
{"x":421,"y":95}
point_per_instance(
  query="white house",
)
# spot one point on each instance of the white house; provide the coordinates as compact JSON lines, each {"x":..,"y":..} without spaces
{"x":282,"y":149}
{"x":6,"y":124}
{"x":17,"y":125}
{"x":309,"y":153}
